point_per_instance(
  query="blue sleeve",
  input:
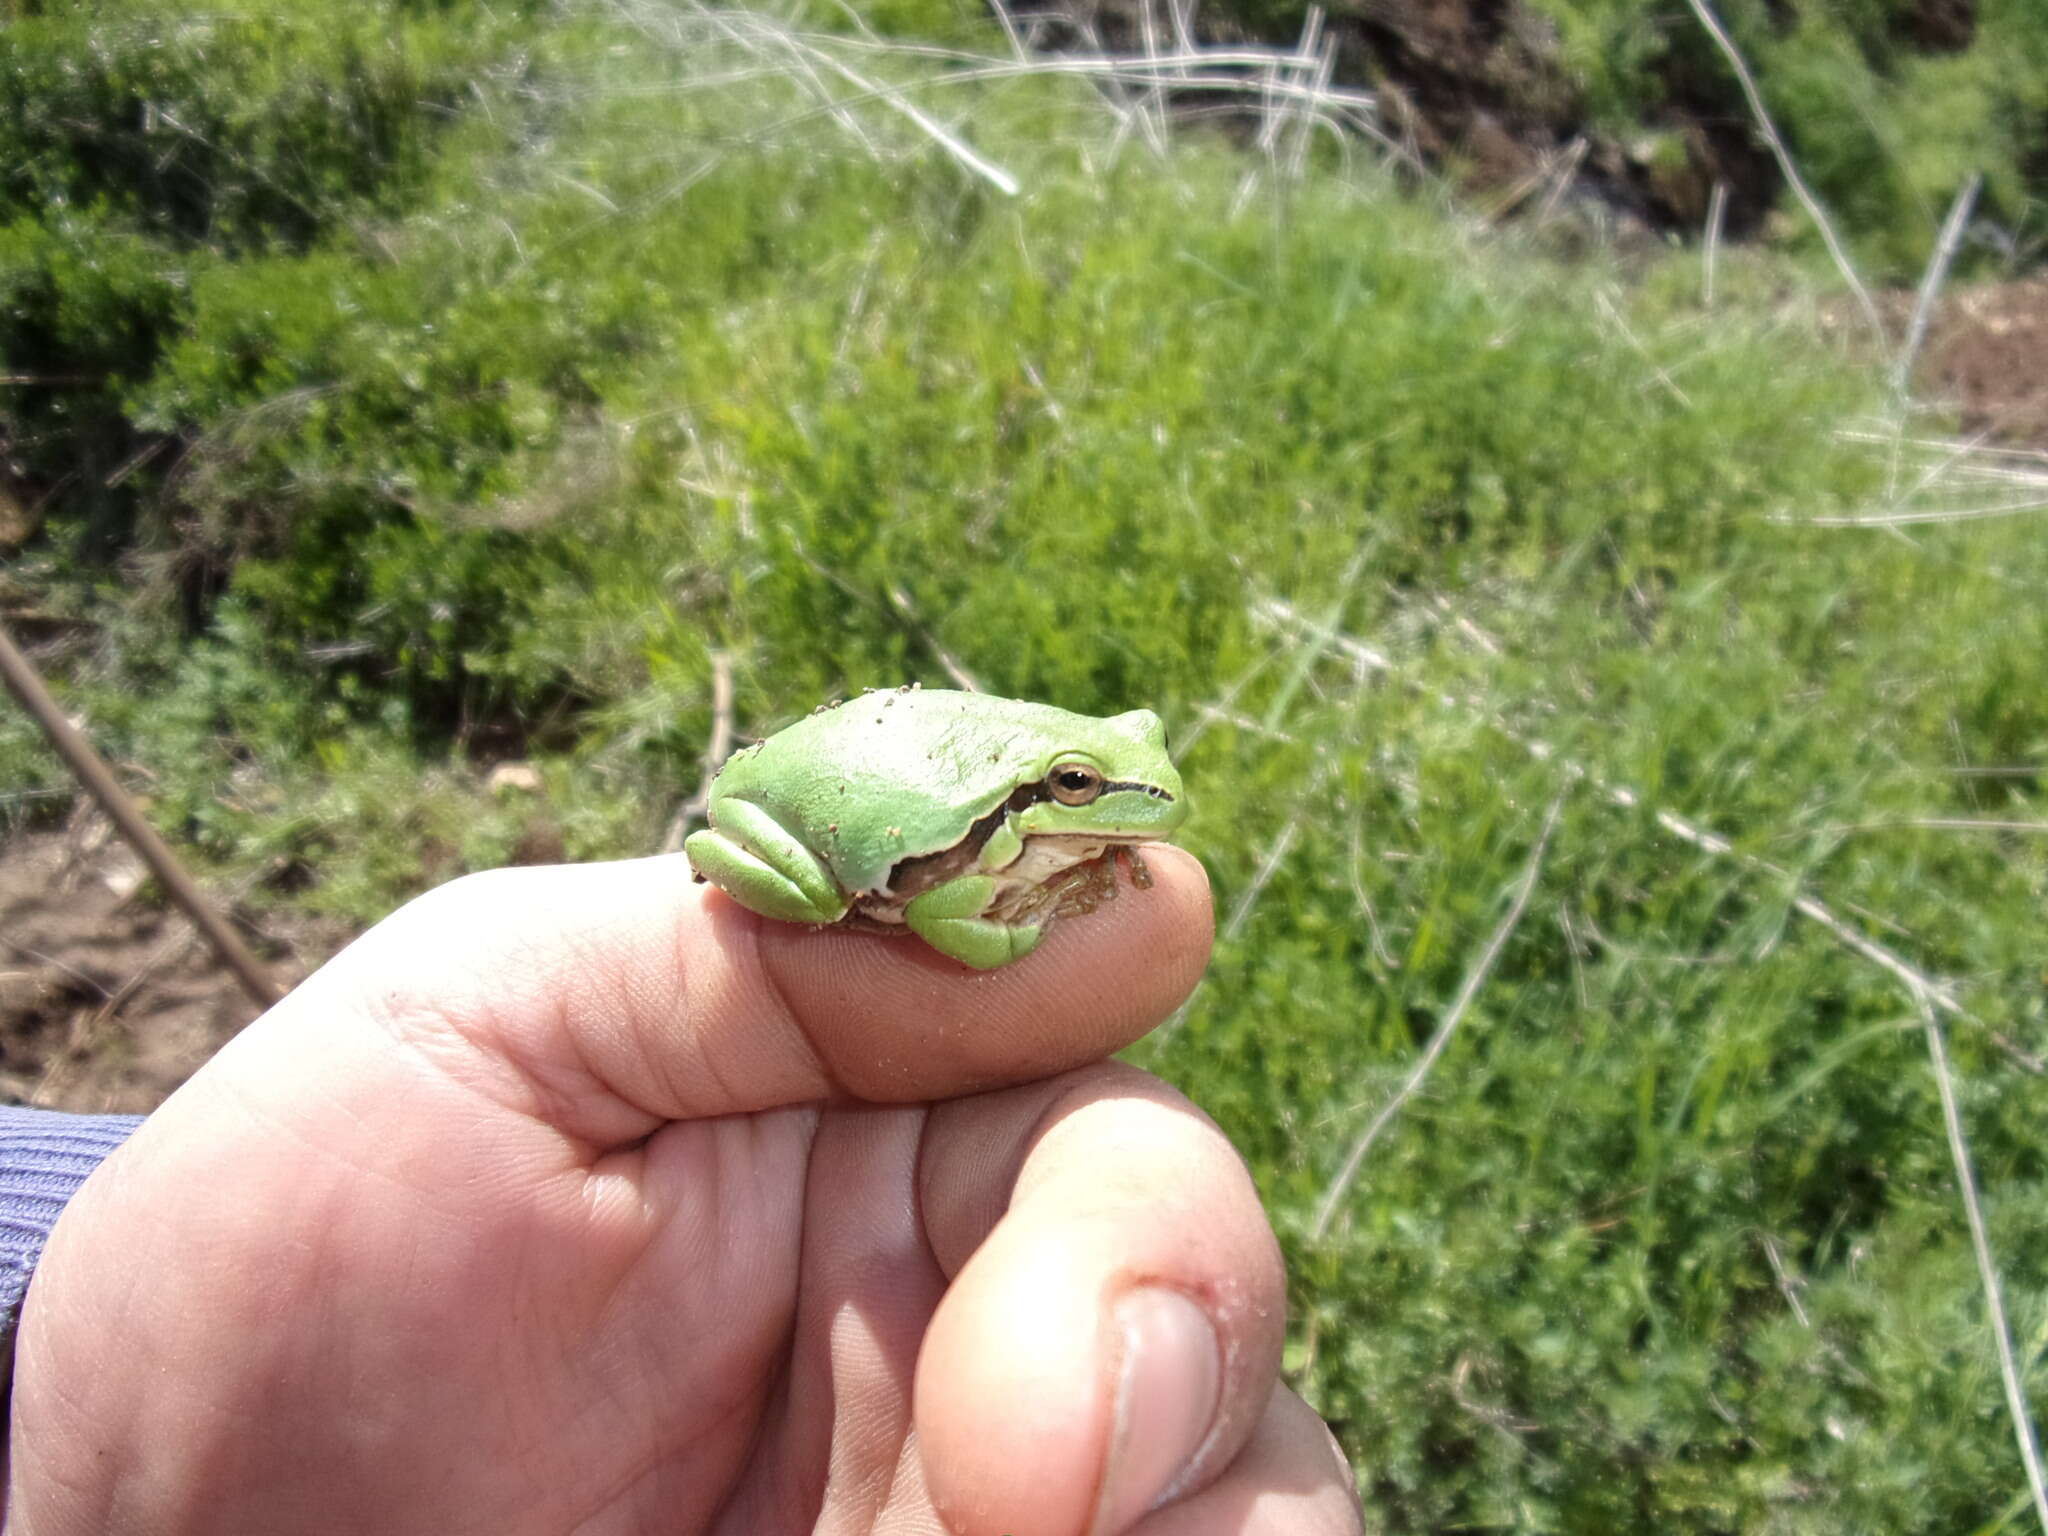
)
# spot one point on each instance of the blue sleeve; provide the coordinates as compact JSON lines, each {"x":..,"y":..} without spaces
{"x":44,"y":1157}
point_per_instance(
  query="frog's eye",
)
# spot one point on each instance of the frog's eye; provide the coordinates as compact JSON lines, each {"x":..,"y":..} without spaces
{"x":1074,"y":783}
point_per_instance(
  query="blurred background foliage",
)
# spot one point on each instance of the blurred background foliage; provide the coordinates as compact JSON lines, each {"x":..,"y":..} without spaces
{"x":408,"y":389}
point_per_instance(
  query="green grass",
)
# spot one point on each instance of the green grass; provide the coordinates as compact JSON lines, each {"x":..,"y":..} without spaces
{"x":625,"y":374}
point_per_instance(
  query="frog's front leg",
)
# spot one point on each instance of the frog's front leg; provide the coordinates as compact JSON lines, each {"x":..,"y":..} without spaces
{"x":948,"y":917}
{"x":756,"y":861}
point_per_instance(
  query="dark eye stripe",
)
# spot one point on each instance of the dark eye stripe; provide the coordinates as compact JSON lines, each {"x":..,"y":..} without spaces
{"x":1132,"y":784}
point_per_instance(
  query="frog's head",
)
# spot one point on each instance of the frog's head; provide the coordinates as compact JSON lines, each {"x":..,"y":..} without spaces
{"x":1107,"y":778}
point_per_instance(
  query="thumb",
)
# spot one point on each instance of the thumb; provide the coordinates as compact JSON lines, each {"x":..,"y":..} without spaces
{"x":606,"y":999}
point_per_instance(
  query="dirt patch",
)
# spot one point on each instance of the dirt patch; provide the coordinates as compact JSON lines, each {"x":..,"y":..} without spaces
{"x":1987,"y":357}
{"x":109,"y":1000}
{"x":1937,"y":26}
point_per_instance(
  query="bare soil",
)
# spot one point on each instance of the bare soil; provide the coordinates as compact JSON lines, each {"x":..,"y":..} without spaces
{"x":1987,"y":357}
{"x":108,"y":999}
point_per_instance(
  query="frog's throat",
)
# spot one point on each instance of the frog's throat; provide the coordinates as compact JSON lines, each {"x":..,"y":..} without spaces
{"x":1045,"y":856}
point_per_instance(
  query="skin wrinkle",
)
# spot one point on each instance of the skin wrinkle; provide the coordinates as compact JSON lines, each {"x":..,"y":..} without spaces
{"x":415,"y":1024}
{"x":905,"y":1491}
{"x":746,"y":975}
{"x":812,"y":1488}
{"x":493,"y":1057}
{"x":579,"y":1034}
{"x":574,"y":1033}
{"x":917,"y":1202}
{"x":548,"y":1071}
{"x":844,"y":1274}
{"x":281,"y":1128}
{"x":733,"y":1142}
{"x":672,"y":1068}
{"x":662,"y":1453}
{"x":667,"y":1053}
{"x":1007,"y":1162}
{"x":754,"y":1410}
{"x":775,"y":1481}
{"x":940,"y":1132}
{"x":886,"y":1266}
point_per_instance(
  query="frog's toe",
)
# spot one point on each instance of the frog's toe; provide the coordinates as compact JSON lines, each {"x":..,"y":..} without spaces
{"x":980,"y":943}
{"x":948,"y":917}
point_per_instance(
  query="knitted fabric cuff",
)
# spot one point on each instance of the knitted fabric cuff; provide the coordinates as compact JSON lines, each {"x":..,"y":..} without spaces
{"x":44,"y":1157}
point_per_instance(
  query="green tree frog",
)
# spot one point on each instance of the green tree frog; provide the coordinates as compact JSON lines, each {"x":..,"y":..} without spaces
{"x":973,"y":821}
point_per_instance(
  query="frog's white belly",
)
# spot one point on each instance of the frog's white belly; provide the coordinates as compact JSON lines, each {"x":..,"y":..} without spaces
{"x":1042,"y":858}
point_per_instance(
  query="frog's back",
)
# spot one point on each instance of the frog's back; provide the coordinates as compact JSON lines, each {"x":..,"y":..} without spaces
{"x":893,"y":774}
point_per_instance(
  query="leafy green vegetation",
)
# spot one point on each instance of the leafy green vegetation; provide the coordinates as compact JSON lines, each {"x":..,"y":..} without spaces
{"x":1888,"y":105}
{"x":636,"y":357}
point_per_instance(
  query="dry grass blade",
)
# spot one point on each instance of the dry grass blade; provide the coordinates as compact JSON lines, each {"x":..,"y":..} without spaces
{"x":715,"y":753}
{"x":1930,"y":284}
{"x":1474,"y":980}
{"x":1932,"y":996}
{"x":1788,"y":1287}
{"x":1710,"y":254}
{"x":1276,"y":854}
{"x":1923,"y":516}
{"x":1959,"y":480}
{"x":966,"y":681}
{"x":1950,"y":824}
{"x":1800,"y":190}
{"x":1288,"y":87}
{"x":1987,"y":1268}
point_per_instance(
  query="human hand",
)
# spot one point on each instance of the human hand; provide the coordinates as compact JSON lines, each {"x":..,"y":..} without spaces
{"x":580,"y":1199}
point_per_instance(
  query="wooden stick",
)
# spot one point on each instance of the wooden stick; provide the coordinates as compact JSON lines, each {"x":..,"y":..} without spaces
{"x":98,"y":780}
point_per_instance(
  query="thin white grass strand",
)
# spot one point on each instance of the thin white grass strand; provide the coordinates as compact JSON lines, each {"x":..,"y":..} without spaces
{"x":1932,"y":996}
{"x":1276,"y":855}
{"x":1938,"y":991}
{"x":1957,"y":480}
{"x":1987,"y":1267}
{"x":1920,"y":516}
{"x":1790,"y":167}
{"x":1710,"y":253}
{"x":1475,"y":978}
{"x":1931,"y":282}
{"x":898,"y":100}
{"x":1293,"y":88}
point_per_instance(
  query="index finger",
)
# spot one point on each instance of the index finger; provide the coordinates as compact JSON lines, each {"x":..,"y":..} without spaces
{"x":608,"y":998}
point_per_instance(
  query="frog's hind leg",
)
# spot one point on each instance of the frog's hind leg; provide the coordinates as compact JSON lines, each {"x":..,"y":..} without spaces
{"x":755,"y":860}
{"x":949,"y":918}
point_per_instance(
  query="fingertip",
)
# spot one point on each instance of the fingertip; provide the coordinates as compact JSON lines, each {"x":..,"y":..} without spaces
{"x":1112,"y":1339}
